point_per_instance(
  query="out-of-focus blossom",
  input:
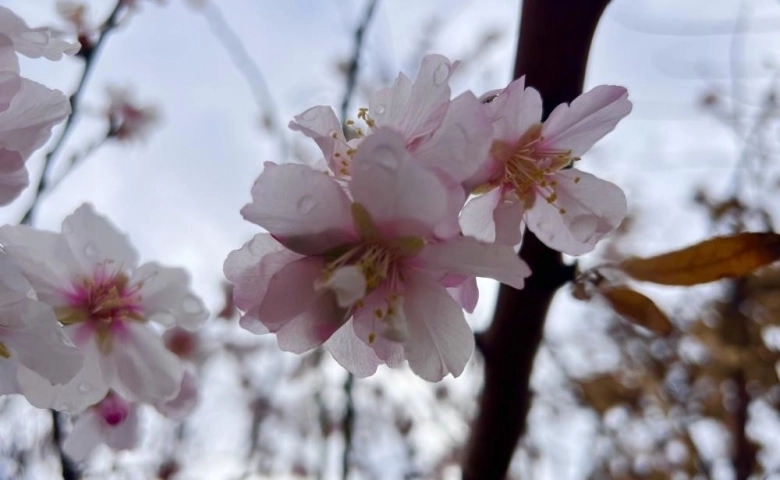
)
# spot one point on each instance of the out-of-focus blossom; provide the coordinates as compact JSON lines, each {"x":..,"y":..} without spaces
{"x":34,"y":42}
{"x":28,"y":110}
{"x":369,"y":253}
{"x":186,"y":400}
{"x":89,"y":275}
{"x":30,"y":335}
{"x":113,"y":422}
{"x":127,"y":120}
{"x":529,"y":176}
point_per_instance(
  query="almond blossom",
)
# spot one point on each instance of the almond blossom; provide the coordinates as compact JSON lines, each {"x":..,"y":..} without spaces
{"x":30,"y":335}
{"x":28,"y":110}
{"x":449,"y":137}
{"x":361,"y":269}
{"x":529,"y":176}
{"x":89,"y":275}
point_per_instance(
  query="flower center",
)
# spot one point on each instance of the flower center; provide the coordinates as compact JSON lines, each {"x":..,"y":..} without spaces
{"x":101,"y":303}
{"x":528,"y":167}
{"x":113,"y":409}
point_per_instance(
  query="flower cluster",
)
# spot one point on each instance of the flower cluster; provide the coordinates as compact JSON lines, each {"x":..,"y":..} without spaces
{"x":81,"y":327}
{"x":28,"y":110}
{"x":374,"y":255}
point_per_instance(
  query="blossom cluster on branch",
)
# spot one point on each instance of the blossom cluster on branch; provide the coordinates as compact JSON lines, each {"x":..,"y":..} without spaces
{"x":374,"y":251}
{"x":80,"y":319}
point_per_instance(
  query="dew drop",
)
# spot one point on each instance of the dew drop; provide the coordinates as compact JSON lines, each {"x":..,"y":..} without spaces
{"x":191,"y":305}
{"x":583,"y":228}
{"x":91,"y":250}
{"x":441,"y":74}
{"x":85,"y":387}
{"x":379,"y":110}
{"x":386,"y":157}
{"x":306,"y":204}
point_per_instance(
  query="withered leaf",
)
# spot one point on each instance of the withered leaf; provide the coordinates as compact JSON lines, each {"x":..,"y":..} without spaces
{"x":710,"y":260}
{"x":638,"y":309}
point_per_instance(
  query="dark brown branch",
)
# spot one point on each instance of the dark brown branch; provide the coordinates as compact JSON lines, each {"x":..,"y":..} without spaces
{"x":555,"y":38}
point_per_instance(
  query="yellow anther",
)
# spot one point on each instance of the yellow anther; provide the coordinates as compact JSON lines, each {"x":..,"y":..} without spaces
{"x":371,"y":337}
{"x":562,"y":211}
{"x":378,"y":313}
{"x":350,"y":123}
{"x":577,"y":179}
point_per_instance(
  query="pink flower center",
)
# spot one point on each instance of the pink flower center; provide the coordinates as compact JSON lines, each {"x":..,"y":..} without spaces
{"x":113,"y":409}
{"x":101,"y":303}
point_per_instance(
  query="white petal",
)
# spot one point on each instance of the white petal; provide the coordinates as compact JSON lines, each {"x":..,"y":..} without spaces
{"x":594,"y":208}
{"x":94,"y":240}
{"x":590,"y":116}
{"x":166,"y":297}
{"x":145,"y":370}
{"x":84,"y":437}
{"x":348,"y":283}
{"x":351,"y":353}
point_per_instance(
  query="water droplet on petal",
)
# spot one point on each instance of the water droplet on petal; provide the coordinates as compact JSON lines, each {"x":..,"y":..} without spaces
{"x":583,"y":227}
{"x":441,"y":74}
{"x":191,"y":305}
{"x":386,"y":157}
{"x":91,"y":250}
{"x":379,"y":110}
{"x":306,"y":204}
{"x":85,"y":387}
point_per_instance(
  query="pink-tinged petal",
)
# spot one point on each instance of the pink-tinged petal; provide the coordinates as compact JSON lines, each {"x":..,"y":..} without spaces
{"x":466,"y":294}
{"x":94,"y":240}
{"x":370,"y":329}
{"x":476,"y":219}
{"x":185,"y":402}
{"x":440,"y":341}
{"x":251,"y":267}
{"x":145,"y":370}
{"x":13,"y":176}
{"x":35,"y":42}
{"x":26,"y":124}
{"x":166,"y":297}
{"x":86,"y":388}
{"x":304,"y":209}
{"x":417,"y":111}
{"x":45,"y":259}
{"x":468,"y":256}
{"x":456,"y":197}
{"x":37,"y":341}
{"x":514,"y":111}
{"x":84,"y":437}
{"x":321,"y":124}
{"x":291,"y":291}
{"x":312,"y":327}
{"x":590,"y":116}
{"x":351,"y":353}
{"x":403,"y":198}
{"x":125,"y":435}
{"x":459,"y":147}
{"x":594,"y":208}
{"x":9,"y":71}
{"x":509,"y":218}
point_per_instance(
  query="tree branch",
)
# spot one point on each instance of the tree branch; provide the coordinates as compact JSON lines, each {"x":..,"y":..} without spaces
{"x":552,"y":53}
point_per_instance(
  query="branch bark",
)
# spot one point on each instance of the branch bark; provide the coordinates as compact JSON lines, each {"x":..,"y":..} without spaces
{"x":552,"y":52}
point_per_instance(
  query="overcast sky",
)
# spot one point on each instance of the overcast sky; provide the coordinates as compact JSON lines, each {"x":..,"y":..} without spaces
{"x":178,"y":193}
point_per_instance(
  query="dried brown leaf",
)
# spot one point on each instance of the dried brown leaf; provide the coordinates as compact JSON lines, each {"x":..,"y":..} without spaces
{"x":638,"y":309}
{"x":710,"y":260}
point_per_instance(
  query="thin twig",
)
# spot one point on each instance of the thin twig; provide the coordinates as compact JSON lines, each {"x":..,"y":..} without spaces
{"x":69,"y":469}
{"x":90,"y":54}
{"x":247,"y":67}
